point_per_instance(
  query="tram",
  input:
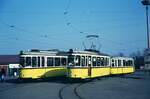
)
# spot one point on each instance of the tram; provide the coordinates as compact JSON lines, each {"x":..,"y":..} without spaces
{"x":42,"y":64}
{"x":88,"y":64}
{"x":92,"y":64}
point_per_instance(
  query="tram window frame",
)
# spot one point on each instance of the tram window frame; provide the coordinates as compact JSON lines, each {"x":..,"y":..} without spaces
{"x":94,"y":63}
{"x":98,"y":61}
{"x":77,"y":60}
{"x":22,"y":61}
{"x":28,"y":61}
{"x":63,"y":61}
{"x":50,"y":61}
{"x":34,"y":61}
{"x":83,"y":61}
{"x":89,"y":61}
{"x":43,"y":62}
{"x":57,"y":61}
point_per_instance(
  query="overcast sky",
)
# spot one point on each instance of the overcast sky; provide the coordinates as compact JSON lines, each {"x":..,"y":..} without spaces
{"x":64,"y":24}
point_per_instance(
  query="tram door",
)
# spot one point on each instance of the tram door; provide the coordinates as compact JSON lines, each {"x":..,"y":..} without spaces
{"x":89,"y":63}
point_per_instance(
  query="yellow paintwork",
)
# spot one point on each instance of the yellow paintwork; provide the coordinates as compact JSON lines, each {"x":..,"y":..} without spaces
{"x":122,"y":70}
{"x":42,"y":72}
{"x":72,"y":72}
{"x":97,"y":72}
{"x":114,"y":70}
{"x":128,"y":70}
{"x":83,"y":72}
{"x":78,"y":73}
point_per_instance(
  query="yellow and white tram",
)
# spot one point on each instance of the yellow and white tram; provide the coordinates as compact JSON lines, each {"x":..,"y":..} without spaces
{"x":41,"y":64}
{"x":87,"y":64}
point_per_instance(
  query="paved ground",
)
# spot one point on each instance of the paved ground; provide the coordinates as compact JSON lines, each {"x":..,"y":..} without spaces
{"x":136,"y":86}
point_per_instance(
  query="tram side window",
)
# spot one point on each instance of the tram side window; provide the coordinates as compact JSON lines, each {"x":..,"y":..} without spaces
{"x":132,"y":63}
{"x":22,"y":61}
{"x":102,"y":61}
{"x":83,"y":60}
{"x":124,"y":63}
{"x":115,"y":63}
{"x":89,"y":61}
{"x":43,"y":61}
{"x":34,"y":61}
{"x":28,"y":61}
{"x":57,"y":61}
{"x":38,"y":62}
{"x":98,"y":61}
{"x":50,"y":61}
{"x":71,"y":60}
{"x":129,"y":63}
{"x":119,"y":62}
{"x":94,"y":61}
{"x":63,"y":61}
{"x":77,"y":60}
{"x":107,"y":61}
{"x":112,"y":64}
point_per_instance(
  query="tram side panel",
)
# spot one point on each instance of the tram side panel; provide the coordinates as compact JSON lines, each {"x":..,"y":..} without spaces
{"x":32,"y":72}
{"x":81,"y":73}
{"x":129,"y":69}
{"x":100,"y":71}
{"x":55,"y":72}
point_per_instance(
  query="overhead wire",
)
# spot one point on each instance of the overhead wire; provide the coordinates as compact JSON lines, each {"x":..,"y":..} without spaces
{"x":27,"y":36}
{"x":69,"y":23}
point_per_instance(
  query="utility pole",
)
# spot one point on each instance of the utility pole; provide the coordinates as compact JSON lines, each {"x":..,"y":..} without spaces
{"x":146,"y":3}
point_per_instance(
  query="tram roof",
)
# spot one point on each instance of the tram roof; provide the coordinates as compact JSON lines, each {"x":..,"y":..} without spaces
{"x":90,"y":53}
{"x":43,"y":52}
{"x":124,"y":58}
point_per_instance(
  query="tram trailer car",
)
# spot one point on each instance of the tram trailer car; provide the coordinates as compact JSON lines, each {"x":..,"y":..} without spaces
{"x":42,"y":64}
{"x":122,"y":65}
{"x":87,"y":64}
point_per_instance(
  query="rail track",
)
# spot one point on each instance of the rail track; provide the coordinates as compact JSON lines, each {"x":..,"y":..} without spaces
{"x":75,"y":90}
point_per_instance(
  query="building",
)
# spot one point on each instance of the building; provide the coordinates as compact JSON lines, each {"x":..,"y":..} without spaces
{"x":147,"y":59}
{"x":6,"y":60}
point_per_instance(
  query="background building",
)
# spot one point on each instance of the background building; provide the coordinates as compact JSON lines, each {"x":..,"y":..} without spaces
{"x":147,"y":58}
{"x":6,"y":60}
